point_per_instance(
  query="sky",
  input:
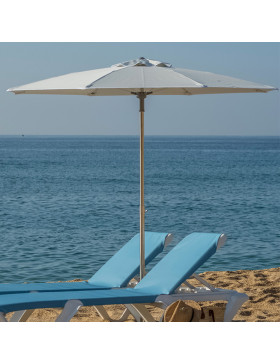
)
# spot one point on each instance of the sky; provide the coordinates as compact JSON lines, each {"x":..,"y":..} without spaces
{"x":231,"y":114}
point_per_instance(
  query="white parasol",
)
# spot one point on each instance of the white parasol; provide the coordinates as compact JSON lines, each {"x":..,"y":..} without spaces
{"x":141,"y":77}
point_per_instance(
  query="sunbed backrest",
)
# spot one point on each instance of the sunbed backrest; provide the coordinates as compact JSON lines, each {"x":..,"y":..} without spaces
{"x":179,"y":264}
{"x":124,"y":265}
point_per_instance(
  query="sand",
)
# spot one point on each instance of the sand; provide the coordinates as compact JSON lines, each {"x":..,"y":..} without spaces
{"x":262,"y":287}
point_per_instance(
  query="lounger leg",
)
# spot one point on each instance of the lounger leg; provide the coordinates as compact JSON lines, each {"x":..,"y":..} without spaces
{"x":139,"y":311}
{"x":2,"y":317}
{"x":233,"y":305}
{"x":103,"y":313}
{"x":124,"y":315}
{"x":21,"y":316}
{"x":70,"y":309}
{"x":133,"y":312}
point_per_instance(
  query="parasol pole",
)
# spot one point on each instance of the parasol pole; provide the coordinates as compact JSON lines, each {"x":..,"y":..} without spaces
{"x":142,"y":96}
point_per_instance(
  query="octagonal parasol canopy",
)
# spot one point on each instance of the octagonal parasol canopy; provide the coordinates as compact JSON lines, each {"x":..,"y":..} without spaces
{"x":141,"y":75}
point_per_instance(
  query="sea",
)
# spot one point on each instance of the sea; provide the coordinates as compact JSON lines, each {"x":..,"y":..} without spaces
{"x":68,"y":203}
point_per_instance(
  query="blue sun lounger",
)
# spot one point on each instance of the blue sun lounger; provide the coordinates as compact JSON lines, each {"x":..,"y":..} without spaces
{"x":115,"y":273}
{"x":159,"y":286}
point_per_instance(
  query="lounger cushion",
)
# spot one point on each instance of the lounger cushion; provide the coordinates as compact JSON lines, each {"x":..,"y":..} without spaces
{"x":128,"y":266}
{"x":115,"y":273}
{"x":25,"y":301}
{"x":180,"y":263}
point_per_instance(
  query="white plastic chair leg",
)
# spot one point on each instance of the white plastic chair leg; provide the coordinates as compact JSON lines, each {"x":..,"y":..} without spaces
{"x":124,"y":315}
{"x":233,"y":305}
{"x":133,"y":312}
{"x":104,"y":314}
{"x":21,"y":316}
{"x":70,"y":309}
{"x":140,"y":312}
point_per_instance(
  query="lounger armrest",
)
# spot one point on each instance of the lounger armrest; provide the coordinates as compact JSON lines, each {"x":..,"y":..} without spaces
{"x":134,"y":282}
{"x":222,"y":240}
{"x":168,"y":239}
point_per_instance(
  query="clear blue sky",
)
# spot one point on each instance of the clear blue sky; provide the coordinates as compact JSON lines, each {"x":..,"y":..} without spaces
{"x":232,"y":114}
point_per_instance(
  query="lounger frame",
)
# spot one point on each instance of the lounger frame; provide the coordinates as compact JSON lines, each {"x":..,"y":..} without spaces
{"x":206,"y":292}
{"x":22,"y":316}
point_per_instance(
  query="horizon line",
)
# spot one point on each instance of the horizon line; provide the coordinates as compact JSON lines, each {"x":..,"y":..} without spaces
{"x":136,"y":135}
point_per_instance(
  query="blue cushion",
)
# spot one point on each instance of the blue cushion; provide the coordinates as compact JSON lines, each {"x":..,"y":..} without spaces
{"x":124,"y":265}
{"x":116,"y":272}
{"x":180,"y":263}
{"x":25,"y":301}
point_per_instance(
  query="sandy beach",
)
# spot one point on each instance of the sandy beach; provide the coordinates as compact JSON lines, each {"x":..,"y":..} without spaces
{"x":262,"y":287}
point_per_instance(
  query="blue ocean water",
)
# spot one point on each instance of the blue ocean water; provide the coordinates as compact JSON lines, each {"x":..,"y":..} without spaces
{"x":68,"y":203}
